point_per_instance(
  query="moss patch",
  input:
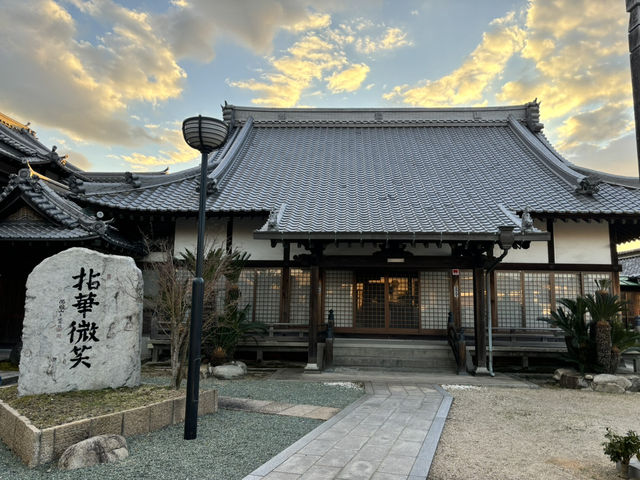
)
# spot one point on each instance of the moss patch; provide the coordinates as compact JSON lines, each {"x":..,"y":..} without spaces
{"x":48,"y":410}
{"x":8,"y":367}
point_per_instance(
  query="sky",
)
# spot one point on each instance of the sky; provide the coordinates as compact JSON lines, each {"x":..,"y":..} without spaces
{"x":110,"y":81}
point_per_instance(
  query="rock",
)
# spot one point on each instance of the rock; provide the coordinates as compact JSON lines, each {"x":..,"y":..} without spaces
{"x":82,"y":323}
{"x":94,"y":450}
{"x":588,"y":377}
{"x":563,"y":371}
{"x":610,"y":383}
{"x":230,"y":370}
{"x":635,"y":384}
{"x":573,"y":380}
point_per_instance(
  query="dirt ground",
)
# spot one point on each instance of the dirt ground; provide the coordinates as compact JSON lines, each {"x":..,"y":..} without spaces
{"x":546,"y":433}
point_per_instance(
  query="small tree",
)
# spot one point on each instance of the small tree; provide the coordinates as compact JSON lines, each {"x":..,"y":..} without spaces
{"x":595,"y":345}
{"x":172,"y":302}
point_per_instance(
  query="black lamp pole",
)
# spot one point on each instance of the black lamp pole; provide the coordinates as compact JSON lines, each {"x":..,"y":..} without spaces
{"x":204,"y":134}
{"x":197,"y":302}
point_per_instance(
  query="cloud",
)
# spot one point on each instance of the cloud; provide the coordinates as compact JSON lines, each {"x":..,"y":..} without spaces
{"x":312,"y":22}
{"x":468,"y":83}
{"x":607,"y":156}
{"x":79,"y":160}
{"x":54,"y":79}
{"x":349,"y":79}
{"x":392,"y":38}
{"x":176,"y":151}
{"x":578,"y":66}
{"x":305,"y":61}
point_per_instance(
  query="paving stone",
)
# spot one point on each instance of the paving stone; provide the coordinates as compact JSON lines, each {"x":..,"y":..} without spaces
{"x":352,"y":442}
{"x":387,"y":476}
{"x":358,"y":469}
{"x":403,"y":447}
{"x":282,"y":476}
{"x":373,"y":452}
{"x":320,"y":472}
{"x":399,"y":465}
{"x":322,"y":413}
{"x":274,"y":407}
{"x":336,"y":457}
{"x":317,"y":447}
{"x":298,"y":410}
{"x":413,"y":434}
{"x":298,"y":463}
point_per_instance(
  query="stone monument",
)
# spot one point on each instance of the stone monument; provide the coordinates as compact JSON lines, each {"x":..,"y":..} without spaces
{"x":82,"y":323}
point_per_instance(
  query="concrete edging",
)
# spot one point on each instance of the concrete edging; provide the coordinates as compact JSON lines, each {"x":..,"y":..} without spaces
{"x":37,"y":446}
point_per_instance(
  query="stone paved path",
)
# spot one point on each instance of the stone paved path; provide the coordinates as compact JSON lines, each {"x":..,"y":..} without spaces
{"x":391,"y":433}
{"x":288,"y":409}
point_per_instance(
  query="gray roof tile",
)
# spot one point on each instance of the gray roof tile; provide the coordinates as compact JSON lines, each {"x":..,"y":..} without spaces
{"x":442,"y":172}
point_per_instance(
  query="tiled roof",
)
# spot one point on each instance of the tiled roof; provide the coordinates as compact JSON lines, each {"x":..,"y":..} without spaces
{"x":409,"y":171}
{"x":631,"y":266}
{"x":22,"y":230}
{"x":61,"y":218}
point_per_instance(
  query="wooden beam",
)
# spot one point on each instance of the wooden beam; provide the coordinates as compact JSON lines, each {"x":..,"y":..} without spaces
{"x":314,"y":317}
{"x":551,"y":247}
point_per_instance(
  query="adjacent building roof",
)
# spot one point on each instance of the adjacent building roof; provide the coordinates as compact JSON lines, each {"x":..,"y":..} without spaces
{"x":630,"y":262}
{"x":48,"y":216}
{"x":384,"y":173}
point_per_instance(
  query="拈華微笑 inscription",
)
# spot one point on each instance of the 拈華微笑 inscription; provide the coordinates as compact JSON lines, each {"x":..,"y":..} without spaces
{"x":82,"y":326}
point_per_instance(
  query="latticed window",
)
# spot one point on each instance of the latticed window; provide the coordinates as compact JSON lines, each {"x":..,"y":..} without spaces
{"x":435,"y":297}
{"x":466,"y":299}
{"x":524,"y":298}
{"x":338,"y":287}
{"x":537,"y":299}
{"x":509,"y":299}
{"x":300,"y":289}
{"x":260,"y":288}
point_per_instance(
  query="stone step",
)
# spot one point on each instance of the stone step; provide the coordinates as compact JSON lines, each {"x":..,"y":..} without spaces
{"x":392,"y":353}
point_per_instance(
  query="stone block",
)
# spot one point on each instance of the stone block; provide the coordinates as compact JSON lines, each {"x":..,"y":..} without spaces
{"x":26,"y":442}
{"x":573,"y":381}
{"x":68,"y":434}
{"x":8,"y":418}
{"x":135,"y":421}
{"x":47,"y":438}
{"x":106,"y":424}
{"x":563,"y":371}
{"x":179,"y":405}
{"x":208,"y":402}
{"x":160,"y":415}
{"x":82,"y":323}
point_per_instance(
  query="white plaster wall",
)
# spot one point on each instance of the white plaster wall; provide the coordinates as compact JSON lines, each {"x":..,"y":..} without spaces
{"x":538,"y":252}
{"x":243,"y":229}
{"x":582,"y":242}
{"x":187,"y":233}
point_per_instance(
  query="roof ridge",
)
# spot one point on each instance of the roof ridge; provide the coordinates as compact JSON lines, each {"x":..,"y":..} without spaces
{"x":230,"y":154}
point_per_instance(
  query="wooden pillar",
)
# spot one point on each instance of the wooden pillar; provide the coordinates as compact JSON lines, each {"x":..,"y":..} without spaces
{"x":285,"y":286}
{"x":314,"y":318}
{"x":480,"y":320}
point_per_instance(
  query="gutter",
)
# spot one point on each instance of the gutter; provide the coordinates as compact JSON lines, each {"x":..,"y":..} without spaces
{"x":487,"y":279}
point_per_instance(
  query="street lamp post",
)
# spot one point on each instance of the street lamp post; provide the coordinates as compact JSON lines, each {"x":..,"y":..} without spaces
{"x":204,"y":134}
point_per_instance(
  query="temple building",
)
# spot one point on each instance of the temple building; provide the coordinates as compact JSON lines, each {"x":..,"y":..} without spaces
{"x":385,"y":220}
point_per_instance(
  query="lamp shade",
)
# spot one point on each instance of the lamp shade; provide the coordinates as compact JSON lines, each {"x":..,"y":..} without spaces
{"x":204,"y":133}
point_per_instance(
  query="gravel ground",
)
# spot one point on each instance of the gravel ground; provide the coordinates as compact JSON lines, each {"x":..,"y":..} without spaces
{"x":229,"y":446}
{"x":309,"y":393}
{"x":546,"y":433}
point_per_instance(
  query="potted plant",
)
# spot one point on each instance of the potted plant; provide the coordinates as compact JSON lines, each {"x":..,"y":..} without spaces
{"x":621,"y":448}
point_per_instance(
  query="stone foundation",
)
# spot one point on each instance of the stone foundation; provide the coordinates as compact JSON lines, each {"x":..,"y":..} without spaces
{"x":36,"y":446}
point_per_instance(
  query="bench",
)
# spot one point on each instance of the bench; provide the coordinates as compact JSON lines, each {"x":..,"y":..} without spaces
{"x":281,"y":337}
{"x":527,"y":343}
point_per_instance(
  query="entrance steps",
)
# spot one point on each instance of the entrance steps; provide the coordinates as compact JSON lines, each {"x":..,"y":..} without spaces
{"x":392,"y":353}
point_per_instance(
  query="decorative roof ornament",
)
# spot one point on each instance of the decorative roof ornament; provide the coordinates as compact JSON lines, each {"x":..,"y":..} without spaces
{"x":533,"y":116}
{"x":272,"y":223}
{"x":132,"y":179}
{"x":589,"y":185}
{"x":526,"y":225}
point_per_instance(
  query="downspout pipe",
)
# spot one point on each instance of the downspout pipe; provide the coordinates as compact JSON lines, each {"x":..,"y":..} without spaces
{"x":490,"y":269}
